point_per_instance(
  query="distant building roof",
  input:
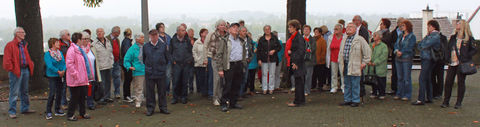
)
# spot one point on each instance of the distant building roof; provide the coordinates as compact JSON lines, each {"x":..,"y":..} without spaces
{"x":446,"y":27}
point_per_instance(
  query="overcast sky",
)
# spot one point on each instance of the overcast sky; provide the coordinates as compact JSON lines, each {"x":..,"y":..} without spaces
{"x":131,"y":8}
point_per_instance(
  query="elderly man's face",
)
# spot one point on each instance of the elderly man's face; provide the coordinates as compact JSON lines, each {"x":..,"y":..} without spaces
{"x":66,"y":36}
{"x":243,"y":32}
{"x":357,"y":20}
{"x":181,"y":32}
{"x":222,"y":26}
{"x":234,"y":30}
{"x":116,"y":34}
{"x":351,"y":29}
{"x":153,"y":37}
{"x":267,"y":30}
{"x":20,"y":34}
{"x":100,"y":33}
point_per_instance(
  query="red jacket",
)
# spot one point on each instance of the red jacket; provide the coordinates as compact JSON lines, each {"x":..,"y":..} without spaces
{"x":11,"y":58}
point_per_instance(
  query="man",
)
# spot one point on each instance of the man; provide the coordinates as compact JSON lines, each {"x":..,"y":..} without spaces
{"x":353,"y":56}
{"x":213,"y":39}
{"x":191,"y":36}
{"x":155,"y":57}
{"x":231,"y":59}
{"x":64,"y":45}
{"x":360,"y":30}
{"x":182,"y":57}
{"x":116,"y":70}
{"x":243,"y":34}
{"x":165,"y":38}
{"x":104,"y":59}
{"x":394,"y":35}
{"x":17,"y":62}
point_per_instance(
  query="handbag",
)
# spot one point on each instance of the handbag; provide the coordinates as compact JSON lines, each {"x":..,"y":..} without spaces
{"x":370,"y":79}
{"x":466,"y":68}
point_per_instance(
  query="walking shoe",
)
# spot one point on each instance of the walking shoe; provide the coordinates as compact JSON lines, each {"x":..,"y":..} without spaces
{"x":128,"y":99}
{"x":12,"y":116}
{"x":86,"y":116}
{"x":381,"y":97}
{"x":373,"y":96}
{"x":73,"y":118}
{"x":29,"y":111}
{"x":354,"y":104}
{"x":404,"y":99}
{"x":216,"y":102}
{"x":332,"y":91}
{"x":59,"y":113}
{"x":118,"y":96}
{"x":138,"y":104}
{"x":108,"y":100}
{"x":48,"y":116}
{"x":396,"y":98}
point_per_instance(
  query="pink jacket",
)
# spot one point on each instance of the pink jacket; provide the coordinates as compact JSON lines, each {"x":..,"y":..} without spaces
{"x":76,"y":69}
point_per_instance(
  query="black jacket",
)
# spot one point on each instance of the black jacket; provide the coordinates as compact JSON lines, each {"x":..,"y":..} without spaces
{"x":181,"y":51}
{"x":364,"y":32}
{"x":126,"y":44}
{"x":264,"y":48}
{"x":155,"y":59}
{"x":297,"y":56}
{"x":467,"y":49}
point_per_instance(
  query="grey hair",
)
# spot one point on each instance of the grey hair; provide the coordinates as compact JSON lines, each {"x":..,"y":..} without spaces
{"x":267,"y":26}
{"x":85,"y":35}
{"x":63,"y":32}
{"x":178,"y":27}
{"x":360,"y":17}
{"x":242,"y":27}
{"x":137,"y":36}
{"x":220,"y":21}
{"x":379,"y":33}
{"x":16,"y":30}
{"x":116,"y":29}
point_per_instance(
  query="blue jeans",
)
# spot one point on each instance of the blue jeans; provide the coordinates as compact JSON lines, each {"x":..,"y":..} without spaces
{"x":244,"y":82}
{"x":64,"y":91}
{"x":169,"y":78}
{"x":404,"y":79}
{"x":106,"y":83}
{"x":116,"y":75}
{"x":210,"y":77}
{"x":55,"y":85}
{"x":426,"y":80}
{"x":352,"y":86}
{"x":19,"y":87}
{"x":308,"y":78}
{"x":181,"y":75}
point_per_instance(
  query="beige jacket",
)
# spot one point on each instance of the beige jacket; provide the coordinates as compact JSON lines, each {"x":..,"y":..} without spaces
{"x":199,"y":53}
{"x":97,"y":70}
{"x":360,"y":53}
{"x":103,"y":54}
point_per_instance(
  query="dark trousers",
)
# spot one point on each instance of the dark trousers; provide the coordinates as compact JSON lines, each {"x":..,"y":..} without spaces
{"x":181,"y":77}
{"x":251,"y":80}
{"x":202,"y":81}
{"x":379,"y":89}
{"x":106,"y":83}
{"x":316,"y":77}
{"x":127,"y":82}
{"x":299,"y":90}
{"x":233,"y":79}
{"x":425,"y":81}
{"x":394,"y":78}
{"x":56,"y":86}
{"x":157,"y":84}
{"x":77,"y":100}
{"x":451,"y":73}
{"x":437,"y":79}
{"x":210,"y":77}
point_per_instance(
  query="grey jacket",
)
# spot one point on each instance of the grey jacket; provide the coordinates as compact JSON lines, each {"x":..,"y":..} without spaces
{"x":103,"y":54}
{"x":222,"y":55}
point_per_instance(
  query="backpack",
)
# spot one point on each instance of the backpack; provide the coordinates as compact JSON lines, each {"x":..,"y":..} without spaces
{"x":438,"y":55}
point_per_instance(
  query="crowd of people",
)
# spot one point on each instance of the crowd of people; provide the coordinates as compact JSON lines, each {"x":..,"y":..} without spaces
{"x":225,"y":61}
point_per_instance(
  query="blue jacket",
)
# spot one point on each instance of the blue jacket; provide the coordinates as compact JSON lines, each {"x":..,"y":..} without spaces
{"x":406,"y":46}
{"x":53,"y":66}
{"x":131,"y":60}
{"x":155,"y":59}
{"x":430,"y":41}
{"x":253,"y":63}
{"x":181,"y":51}
{"x":281,"y":52}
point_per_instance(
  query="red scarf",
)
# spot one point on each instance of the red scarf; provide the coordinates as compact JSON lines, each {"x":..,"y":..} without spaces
{"x":288,"y":46}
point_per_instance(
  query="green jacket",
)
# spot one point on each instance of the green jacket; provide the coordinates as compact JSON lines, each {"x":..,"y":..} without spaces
{"x":131,"y":60}
{"x":379,"y":58}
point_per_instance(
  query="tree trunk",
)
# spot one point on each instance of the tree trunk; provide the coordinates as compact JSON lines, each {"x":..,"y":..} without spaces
{"x":296,"y":9}
{"x":29,"y":17}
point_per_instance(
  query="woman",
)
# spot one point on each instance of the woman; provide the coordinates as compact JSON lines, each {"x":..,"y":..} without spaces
{"x":126,"y":44}
{"x":55,"y":70}
{"x":78,"y":74}
{"x":133,"y":62}
{"x":333,"y":48}
{"x":94,"y":81}
{"x":378,"y":65}
{"x":461,"y":49}
{"x":201,"y":62}
{"x":297,"y":54}
{"x":432,"y":40}
{"x":404,"y":51}
{"x":310,"y":59}
{"x":268,"y":46}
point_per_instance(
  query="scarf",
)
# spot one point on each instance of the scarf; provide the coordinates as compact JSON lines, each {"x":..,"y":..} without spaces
{"x":55,"y":54}
{"x":85,"y":57}
{"x":289,"y":44}
{"x":140,"y":53}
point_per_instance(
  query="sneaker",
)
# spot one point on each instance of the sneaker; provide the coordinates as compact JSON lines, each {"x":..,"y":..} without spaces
{"x":333,"y":91}
{"x":373,"y":96}
{"x":59,"y":113}
{"x":138,"y":104}
{"x":118,"y":96}
{"x":216,"y":103}
{"x":128,"y":100}
{"x":48,"y":116}
{"x":12,"y":116}
{"x":404,"y":99}
{"x":381,"y":97}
